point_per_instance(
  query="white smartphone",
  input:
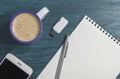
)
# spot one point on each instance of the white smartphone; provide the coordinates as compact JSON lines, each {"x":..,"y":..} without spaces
{"x":13,"y":68}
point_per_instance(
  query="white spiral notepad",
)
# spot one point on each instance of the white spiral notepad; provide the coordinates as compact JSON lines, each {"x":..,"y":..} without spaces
{"x":92,"y":54}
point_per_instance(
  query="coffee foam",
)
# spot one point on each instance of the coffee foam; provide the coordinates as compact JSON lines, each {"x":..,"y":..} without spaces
{"x":26,"y":27}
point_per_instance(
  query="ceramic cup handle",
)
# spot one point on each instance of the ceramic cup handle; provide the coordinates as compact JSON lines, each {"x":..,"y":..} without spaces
{"x":43,"y":12}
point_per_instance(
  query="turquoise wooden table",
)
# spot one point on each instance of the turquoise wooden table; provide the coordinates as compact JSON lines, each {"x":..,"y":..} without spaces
{"x":37,"y":55}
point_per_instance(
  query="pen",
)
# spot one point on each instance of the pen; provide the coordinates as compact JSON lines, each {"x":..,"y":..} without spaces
{"x":62,"y":56}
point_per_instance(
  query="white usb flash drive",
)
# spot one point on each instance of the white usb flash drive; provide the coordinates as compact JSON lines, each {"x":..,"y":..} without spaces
{"x":59,"y":26}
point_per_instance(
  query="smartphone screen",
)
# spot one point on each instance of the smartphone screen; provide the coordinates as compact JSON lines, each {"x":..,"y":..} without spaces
{"x":10,"y":71}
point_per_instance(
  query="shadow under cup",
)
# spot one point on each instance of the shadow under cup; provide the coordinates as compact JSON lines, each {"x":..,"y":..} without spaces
{"x":26,"y":27}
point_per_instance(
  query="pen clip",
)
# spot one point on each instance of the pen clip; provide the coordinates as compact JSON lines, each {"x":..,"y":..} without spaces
{"x":66,"y":50}
{"x":65,"y":46}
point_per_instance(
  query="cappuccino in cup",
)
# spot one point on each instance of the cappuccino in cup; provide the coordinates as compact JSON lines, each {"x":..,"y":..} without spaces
{"x":26,"y":26}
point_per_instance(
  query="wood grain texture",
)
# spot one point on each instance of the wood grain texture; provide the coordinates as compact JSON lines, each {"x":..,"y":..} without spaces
{"x":37,"y":55}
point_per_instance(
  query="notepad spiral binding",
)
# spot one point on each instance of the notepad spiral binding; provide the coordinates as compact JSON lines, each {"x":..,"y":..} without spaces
{"x":103,"y":30}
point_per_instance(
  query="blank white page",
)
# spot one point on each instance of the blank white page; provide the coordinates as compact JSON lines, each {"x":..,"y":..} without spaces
{"x":91,"y":55}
